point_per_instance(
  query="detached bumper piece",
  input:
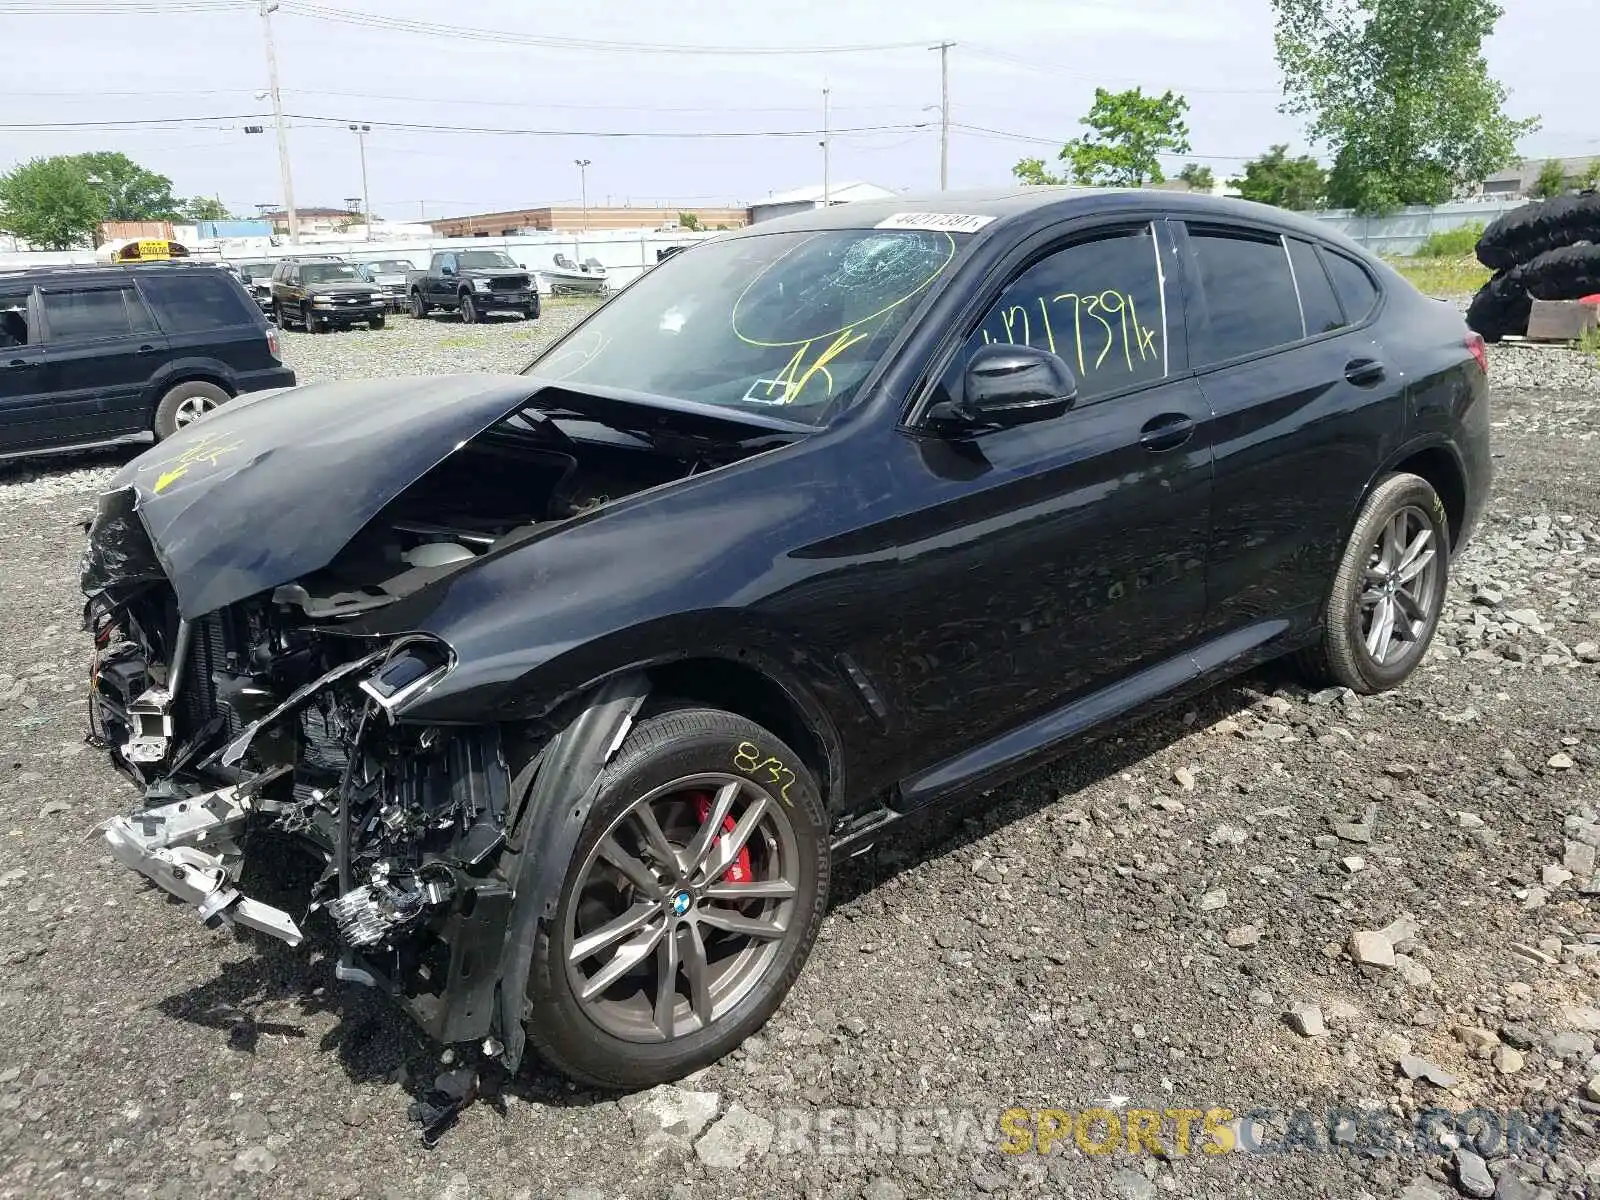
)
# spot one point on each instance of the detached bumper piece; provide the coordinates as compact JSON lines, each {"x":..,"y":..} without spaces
{"x":188,"y":849}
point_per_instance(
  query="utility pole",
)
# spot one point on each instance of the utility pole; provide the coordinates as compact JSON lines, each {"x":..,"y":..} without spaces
{"x":361,"y":132}
{"x":944,"y":113}
{"x":825,"y":190}
{"x":283,"y":132}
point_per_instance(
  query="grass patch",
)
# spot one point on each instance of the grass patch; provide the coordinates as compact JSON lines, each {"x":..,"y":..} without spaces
{"x":1589,"y":343}
{"x":1451,"y":243}
{"x":1443,"y":277}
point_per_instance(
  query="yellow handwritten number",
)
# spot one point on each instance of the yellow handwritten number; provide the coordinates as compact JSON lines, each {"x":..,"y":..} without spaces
{"x":752,"y":760}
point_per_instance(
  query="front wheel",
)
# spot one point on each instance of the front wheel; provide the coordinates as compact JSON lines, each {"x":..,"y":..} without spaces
{"x":376,"y":322}
{"x":689,"y":906}
{"x":1388,"y":590}
{"x":469,"y":309}
{"x":419,"y":310}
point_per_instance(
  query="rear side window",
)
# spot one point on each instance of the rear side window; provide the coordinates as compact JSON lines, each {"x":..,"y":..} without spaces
{"x":1317,"y":301}
{"x":197,"y":300}
{"x":1245,"y":295}
{"x":88,"y":315}
{"x":1357,"y":292}
{"x":1097,"y":304}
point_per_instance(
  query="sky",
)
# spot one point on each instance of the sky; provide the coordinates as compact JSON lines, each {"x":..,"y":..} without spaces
{"x":1021,"y":73}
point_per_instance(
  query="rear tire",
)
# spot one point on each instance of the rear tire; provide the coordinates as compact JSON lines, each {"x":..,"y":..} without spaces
{"x":1405,"y":576}
{"x":185,"y":404}
{"x":669,"y":764}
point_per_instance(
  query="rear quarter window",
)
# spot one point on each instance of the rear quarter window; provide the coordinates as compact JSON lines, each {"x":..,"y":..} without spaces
{"x":1357,"y":293}
{"x":1317,"y":301}
{"x":191,"y":301}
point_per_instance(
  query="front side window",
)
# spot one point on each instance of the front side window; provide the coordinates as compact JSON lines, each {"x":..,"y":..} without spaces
{"x":14,"y":317}
{"x":1098,"y":305}
{"x":790,"y":324}
{"x":1245,"y":294}
{"x":74,"y":316}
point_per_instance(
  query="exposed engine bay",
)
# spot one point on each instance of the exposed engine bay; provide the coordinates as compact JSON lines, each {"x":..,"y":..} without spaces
{"x":275,"y":715}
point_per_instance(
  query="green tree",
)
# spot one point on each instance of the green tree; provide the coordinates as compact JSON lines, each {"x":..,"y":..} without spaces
{"x":1591,"y":174}
{"x":1399,"y":92}
{"x":1275,"y":178}
{"x":50,"y":203}
{"x":1552,"y":180}
{"x":205,"y":208}
{"x":689,"y":221}
{"x":1197,"y":177}
{"x":1031,"y":170}
{"x":1130,"y":131}
{"x":131,"y":192}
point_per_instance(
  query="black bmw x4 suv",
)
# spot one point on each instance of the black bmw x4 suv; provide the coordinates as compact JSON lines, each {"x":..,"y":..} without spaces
{"x":93,"y":356}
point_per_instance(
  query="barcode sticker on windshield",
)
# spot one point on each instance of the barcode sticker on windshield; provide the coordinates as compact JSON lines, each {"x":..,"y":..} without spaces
{"x":942,"y":222}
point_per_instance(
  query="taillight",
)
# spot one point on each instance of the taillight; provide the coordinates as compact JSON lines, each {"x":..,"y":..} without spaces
{"x":1475,"y":344}
{"x":272,"y":344}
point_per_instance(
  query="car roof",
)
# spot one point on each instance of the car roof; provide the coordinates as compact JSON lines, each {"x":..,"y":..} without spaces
{"x":97,"y":271}
{"x":1006,"y":204}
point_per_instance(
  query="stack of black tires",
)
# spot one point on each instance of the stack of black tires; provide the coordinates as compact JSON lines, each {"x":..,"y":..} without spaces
{"x":1547,"y":250}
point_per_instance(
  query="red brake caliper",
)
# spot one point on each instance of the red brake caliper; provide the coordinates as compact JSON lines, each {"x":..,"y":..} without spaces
{"x":739,"y":872}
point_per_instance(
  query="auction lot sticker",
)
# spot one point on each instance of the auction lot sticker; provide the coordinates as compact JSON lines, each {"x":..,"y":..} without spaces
{"x":939,"y":222}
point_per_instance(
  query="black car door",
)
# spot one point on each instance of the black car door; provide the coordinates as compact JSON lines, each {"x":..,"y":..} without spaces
{"x":1305,"y":404}
{"x":25,"y":409}
{"x":1046,"y":561}
{"x":103,"y":347}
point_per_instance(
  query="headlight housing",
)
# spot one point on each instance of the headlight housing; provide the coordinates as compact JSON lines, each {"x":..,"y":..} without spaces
{"x":414,"y":665}
{"x":481,"y":284}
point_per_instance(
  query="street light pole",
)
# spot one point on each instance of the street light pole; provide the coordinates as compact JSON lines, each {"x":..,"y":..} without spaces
{"x":361,"y":132}
{"x":283,"y":132}
{"x":825,"y":188}
{"x":583,"y":188}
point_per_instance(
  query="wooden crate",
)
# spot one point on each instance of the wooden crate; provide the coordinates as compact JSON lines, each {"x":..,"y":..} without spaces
{"x":1560,"y":320}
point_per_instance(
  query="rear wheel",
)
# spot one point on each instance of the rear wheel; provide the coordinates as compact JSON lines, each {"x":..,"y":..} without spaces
{"x":689,"y":906}
{"x":469,"y":309}
{"x":1388,"y":590}
{"x":185,"y":404}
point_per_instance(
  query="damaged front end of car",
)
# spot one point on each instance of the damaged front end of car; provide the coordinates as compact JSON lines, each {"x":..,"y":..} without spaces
{"x":257,"y":673}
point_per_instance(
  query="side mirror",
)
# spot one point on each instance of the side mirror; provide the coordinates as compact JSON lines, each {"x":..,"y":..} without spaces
{"x":447,"y":269}
{"x":1008,"y":385}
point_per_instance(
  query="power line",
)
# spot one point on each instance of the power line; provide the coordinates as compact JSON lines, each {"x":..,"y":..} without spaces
{"x":1100,"y":77}
{"x":1009,"y":136}
{"x":509,"y":37}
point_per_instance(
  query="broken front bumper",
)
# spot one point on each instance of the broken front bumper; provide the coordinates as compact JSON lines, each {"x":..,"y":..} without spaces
{"x":188,"y":848}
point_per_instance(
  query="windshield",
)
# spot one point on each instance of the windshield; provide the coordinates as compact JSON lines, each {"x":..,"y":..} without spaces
{"x":789,"y":324}
{"x":487,"y":258}
{"x":328,"y":272}
{"x":255,"y":270}
{"x":389,"y":266}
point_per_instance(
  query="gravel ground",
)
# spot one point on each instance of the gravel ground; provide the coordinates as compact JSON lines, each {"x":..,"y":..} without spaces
{"x":1165,"y":921}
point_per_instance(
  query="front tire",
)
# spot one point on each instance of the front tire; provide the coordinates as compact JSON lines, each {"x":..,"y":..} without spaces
{"x":185,"y":404}
{"x":376,"y":322}
{"x":1388,"y":591}
{"x":469,"y":309}
{"x":671,"y":945}
{"x":419,"y":310}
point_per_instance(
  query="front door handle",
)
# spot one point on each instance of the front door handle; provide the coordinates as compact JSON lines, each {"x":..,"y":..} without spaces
{"x":16,"y":364}
{"x":147,"y":349}
{"x":1166,"y":432}
{"x":1364,"y":372}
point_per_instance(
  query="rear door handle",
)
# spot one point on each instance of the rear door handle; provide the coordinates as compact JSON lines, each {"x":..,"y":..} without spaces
{"x":1166,"y":432}
{"x":16,"y":364}
{"x":1364,"y":372}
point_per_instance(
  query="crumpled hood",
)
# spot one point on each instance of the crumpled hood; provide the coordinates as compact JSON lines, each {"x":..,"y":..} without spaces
{"x":272,"y":485}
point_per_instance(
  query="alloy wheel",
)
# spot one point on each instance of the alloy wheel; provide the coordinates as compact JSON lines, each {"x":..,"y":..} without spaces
{"x":1399,"y":596}
{"x":681,"y":907}
{"x":191,"y":410}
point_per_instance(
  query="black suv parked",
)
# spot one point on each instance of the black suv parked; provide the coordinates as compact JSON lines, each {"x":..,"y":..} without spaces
{"x":92,"y":356}
{"x":322,"y":293}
